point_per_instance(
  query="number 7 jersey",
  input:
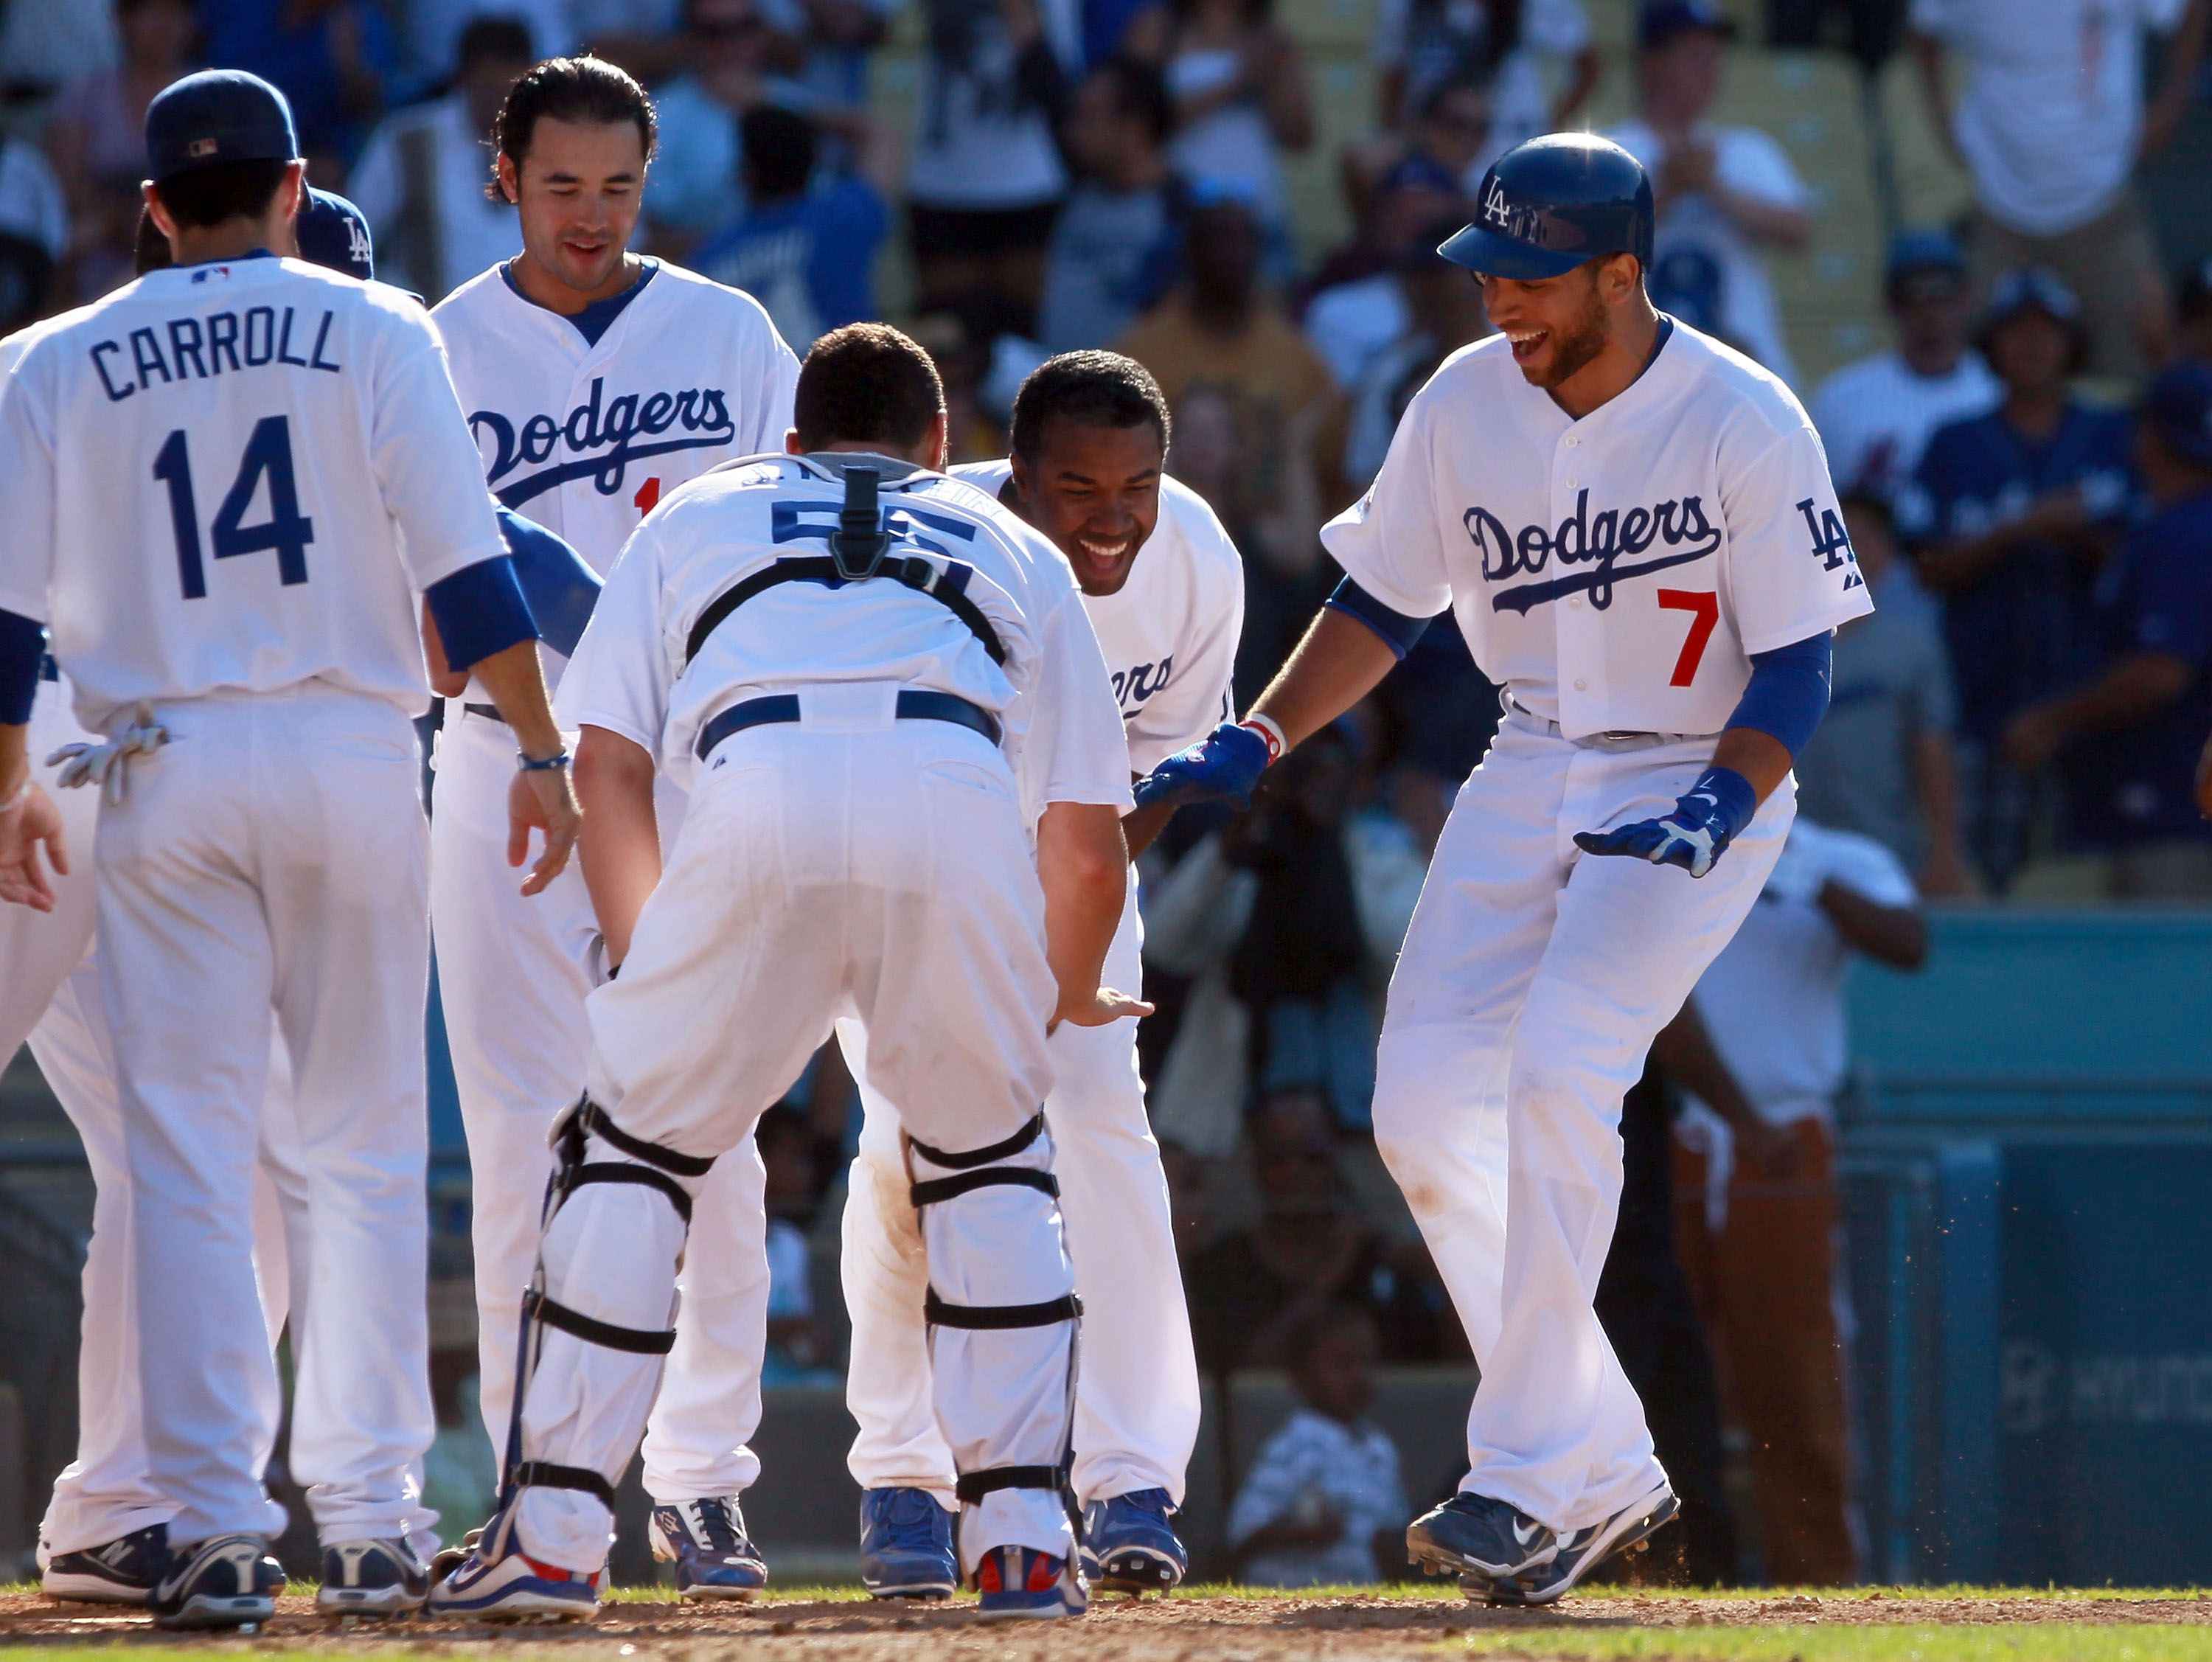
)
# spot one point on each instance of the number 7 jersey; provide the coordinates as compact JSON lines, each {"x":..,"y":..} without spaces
{"x":236,"y":476}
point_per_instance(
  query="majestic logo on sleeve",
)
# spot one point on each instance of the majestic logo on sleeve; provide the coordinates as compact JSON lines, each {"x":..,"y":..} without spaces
{"x":599,"y":440}
{"x":1587,"y":550}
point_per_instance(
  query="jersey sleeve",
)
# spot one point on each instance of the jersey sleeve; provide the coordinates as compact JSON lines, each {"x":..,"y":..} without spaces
{"x":1388,"y":541}
{"x":1197,"y":697}
{"x":771,"y":409}
{"x":26,"y":462}
{"x":620,"y":675}
{"x":1076,"y":750}
{"x":1791,"y":572}
{"x":428,"y":469}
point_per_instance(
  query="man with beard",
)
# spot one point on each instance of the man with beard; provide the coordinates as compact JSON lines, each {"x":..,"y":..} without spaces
{"x":1638,"y":539}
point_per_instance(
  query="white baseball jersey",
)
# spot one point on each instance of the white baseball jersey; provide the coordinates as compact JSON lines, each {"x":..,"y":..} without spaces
{"x":1063,"y":733}
{"x":1170,"y":634}
{"x":1614,"y":573}
{"x":586,"y":437}
{"x":236,"y":476}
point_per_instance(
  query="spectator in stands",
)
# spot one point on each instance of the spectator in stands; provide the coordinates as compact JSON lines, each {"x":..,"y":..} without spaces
{"x":1324,"y":1504}
{"x":35,"y":233}
{"x":1759,"y":1235}
{"x":2194,"y":306}
{"x":1353,"y":320}
{"x":1117,"y":249}
{"x":808,"y":256}
{"x":646,"y":37}
{"x":2050,"y":121}
{"x":796,"y":1346}
{"x":2008,"y":515}
{"x":2135,"y":729}
{"x":1875,"y":415}
{"x":985,"y":180}
{"x":1883,"y":763}
{"x":833,"y":38}
{"x":696,"y":172}
{"x":1443,"y":312}
{"x":330,"y":58}
{"x":1514,"y":48}
{"x":421,"y":177}
{"x":1724,"y":192}
{"x":1450,"y":129}
{"x":96,"y":140}
{"x":1242,"y":96}
{"x":433,"y":28}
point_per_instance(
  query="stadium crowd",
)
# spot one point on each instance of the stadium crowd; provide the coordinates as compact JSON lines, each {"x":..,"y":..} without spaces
{"x":2026,"y":472}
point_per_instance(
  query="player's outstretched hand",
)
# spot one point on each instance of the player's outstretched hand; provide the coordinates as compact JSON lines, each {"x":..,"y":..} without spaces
{"x":1694,"y":835}
{"x":1106,"y":1005}
{"x":32,"y":824}
{"x":540,"y":799}
{"x":1223,"y":767}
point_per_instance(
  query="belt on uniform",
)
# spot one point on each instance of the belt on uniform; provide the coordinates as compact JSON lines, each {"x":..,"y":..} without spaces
{"x":490,"y":712}
{"x":914,"y":705}
{"x":1617,"y":740}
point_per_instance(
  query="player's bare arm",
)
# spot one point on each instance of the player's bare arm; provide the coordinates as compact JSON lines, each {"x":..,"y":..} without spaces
{"x":621,"y":853}
{"x":1083,"y":865}
{"x":541,"y":797}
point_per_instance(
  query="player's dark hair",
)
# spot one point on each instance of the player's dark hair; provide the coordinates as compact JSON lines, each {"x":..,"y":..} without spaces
{"x":1090,"y":389}
{"x":779,"y":150}
{"x":866,"y":383}
{"x":588,"y":91}
{"x":209,"y":196}
{"x":1141,"y":90}
{"x":499,"y":39}
{"x":150,"y":249}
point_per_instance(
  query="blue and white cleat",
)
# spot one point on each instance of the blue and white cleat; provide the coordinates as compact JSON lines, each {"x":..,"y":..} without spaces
{"x":123,"y":1572}
{"x":372,"y":1578}
{"x":1020,"y":1583}
{"x":706,"y":1541}
{"x":1129,"y":1545}
{"x":905,"y":1545}
{"x":1474,"y":1535}
{"x":224,"y":1581}
{"x":1582,"y":1551}
{"x":510,"y":1586}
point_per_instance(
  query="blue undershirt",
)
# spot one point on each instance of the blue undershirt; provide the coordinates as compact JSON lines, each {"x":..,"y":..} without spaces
{"x":599,"y":316}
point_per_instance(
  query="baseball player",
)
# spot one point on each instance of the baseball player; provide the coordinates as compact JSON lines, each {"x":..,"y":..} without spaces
{"x":867,"y":736}
{"x":1635,"y":529}
{"x":1164,"y":589}
{"x":227,"y":481}
{"x":596,"y":382}
{"x":104,"y":1536}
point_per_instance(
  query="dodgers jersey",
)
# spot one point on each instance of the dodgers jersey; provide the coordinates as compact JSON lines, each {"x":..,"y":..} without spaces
{"x":1063,"y":733}
{"x":585,"y":438}
{"x":1614,"y":573}
{"x":236,"y":476}
{"x":1168,"y":634}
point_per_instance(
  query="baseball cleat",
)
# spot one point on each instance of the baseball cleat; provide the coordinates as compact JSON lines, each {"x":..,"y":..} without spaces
{"x":372,"y":1578}
{"x":510,"y":1586}
{"x":1020,"y":1583}
{"x":706,"y":1540}
{"x":446,"y":1560}
{"x":224,"y":1581}
{"x":1582,"y":1551}
{"x":1129,"y":1545}
{"x":123,"y":1572}
{"x":1475,"y":1535}
{"x":905,"y":1545}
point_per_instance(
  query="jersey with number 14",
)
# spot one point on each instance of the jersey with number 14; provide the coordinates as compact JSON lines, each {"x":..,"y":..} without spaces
{"x":1615,"y":573}
{"x":234,"y":477}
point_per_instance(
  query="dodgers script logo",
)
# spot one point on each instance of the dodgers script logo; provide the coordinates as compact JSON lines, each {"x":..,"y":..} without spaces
{"x":1597,"y":542}
{"x":601,"y":440}
{"x":1131,"y":686}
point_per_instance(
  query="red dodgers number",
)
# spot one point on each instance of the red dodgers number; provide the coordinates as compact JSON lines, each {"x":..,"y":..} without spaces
{"x":1705,"y":609}
{"x":648,"y":494}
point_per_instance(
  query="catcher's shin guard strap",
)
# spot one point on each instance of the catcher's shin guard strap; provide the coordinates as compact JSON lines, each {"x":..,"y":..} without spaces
{"x":933,"y":1189}
{"x":589,"y":1119}
{"x":642,"y":1177}
{"x":971,"y":1487}
{"x":984,"y":1317}
{"x":637,"y":1341}
{"x":544,"y":1474}
{"x":1033,"y":1129}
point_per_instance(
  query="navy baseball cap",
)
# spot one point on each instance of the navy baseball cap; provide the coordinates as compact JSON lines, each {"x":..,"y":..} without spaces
{"x":334,"y":233}
{"x":1914,"y":251}
{"x":1548,"y":205}
{"x":1662,"y":21}
{"x":2177,"y":406}
{"x":2031,"y":287}
{"x":215,"y":117}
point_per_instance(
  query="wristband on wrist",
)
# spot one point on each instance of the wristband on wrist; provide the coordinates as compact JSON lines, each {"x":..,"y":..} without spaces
{"x":1265,"y":726}
{"x":524,"y":764}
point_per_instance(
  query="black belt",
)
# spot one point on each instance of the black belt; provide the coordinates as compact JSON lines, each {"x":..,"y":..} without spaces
{"x":914,"y":705}
{"x":490,"y":712}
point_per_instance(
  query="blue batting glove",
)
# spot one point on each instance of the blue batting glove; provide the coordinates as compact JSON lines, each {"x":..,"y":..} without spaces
{"x":1223,"y":767}
{"x":1694,"y":836}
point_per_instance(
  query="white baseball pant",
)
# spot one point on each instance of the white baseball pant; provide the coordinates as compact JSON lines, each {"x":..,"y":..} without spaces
{"x":1531,"y":984}
{"x":1136,"y":1395}
{"x":513,"y":975}
{"x":883,"y":873}
{"x":273,"y":858}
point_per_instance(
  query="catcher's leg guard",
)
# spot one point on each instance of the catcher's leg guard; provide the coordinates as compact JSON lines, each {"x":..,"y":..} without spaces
{"x":1003,"y":1318}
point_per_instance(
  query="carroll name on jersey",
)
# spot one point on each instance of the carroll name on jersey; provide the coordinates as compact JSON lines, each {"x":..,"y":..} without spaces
{"x":598,"y":440}
{"x":202,"y":348}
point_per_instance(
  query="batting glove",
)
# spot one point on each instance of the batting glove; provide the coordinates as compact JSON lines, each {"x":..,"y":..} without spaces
{"x":1695,"y":836}
{"x":1223,"y":767}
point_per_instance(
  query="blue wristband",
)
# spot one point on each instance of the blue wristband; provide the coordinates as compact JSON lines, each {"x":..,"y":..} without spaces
{"x":524,"y":764}
{"x":1733,"y":796}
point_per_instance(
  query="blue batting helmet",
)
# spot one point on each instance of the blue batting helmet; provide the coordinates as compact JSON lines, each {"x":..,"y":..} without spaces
{"x":1548,"y":205}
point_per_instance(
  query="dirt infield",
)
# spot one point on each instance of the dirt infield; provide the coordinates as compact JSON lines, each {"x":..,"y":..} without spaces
{"x":1208,"y":1626}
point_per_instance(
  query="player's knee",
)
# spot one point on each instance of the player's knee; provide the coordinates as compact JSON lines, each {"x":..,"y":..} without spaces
{"x":1422,"y":1074}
